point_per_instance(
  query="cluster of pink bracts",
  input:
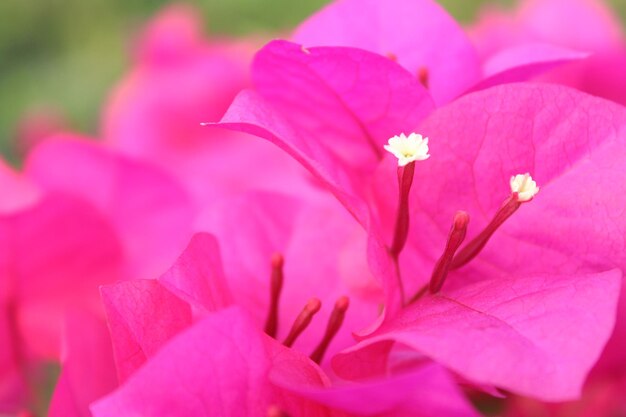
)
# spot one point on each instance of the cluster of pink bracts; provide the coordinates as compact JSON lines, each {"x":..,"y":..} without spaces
{"x":279,"y":262}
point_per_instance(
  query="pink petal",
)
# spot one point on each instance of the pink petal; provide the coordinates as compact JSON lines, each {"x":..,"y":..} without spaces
{"x":587,"y":25}
{"x":218,"y":367}
{"x":523,"y":62}
{"x":537,"y":336}
{"x":572,"y":145}
{"x":428,"y":391}
{"x":149,"y":210}
{"x":250,"y":228}
{"x":251,"y":114}
{"x":55,"y":255}
{"x":198,"y":274}
{"x":179,"y":81}
{"x":142,"y":316}
{"x":13,"y":390}
{"x":369,"y":97}
{"x":583,"y":24}
{"x":350,"y":100}
{"x":416,"y":32}
{"x":578,"y":24}
{"x":88,"y":370}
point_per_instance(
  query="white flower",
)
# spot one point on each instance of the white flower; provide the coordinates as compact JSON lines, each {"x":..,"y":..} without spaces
{"x":408,"y":149}
{"x":525,"y":187}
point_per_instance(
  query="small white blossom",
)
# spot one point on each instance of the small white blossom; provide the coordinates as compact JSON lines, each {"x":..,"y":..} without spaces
{"x":408,"y":149}
{"x":525,"y":187}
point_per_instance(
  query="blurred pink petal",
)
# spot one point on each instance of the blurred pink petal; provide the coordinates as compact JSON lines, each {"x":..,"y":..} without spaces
{"x":88,"y":371}
{"x":13,"y":389}
{"x":150,"y":211}
{"x":55,"y":254}
{"x":523,"y":62}
{"x":76,"y":251}
{"x":584,"y":25}
{"x":179,"y":81}
{"x":419,"y":34}
{"x":414,"y":33}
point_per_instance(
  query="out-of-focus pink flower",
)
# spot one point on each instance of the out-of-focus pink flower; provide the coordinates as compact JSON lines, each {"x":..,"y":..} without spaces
{"x":180,"y":80}
{"x":150,"y":210}
{"x":78,"y":216}
{"x":477,"y":143}
{"x":55,"y":254}
{"x":425,"y":40}
{"x":587,"y":25}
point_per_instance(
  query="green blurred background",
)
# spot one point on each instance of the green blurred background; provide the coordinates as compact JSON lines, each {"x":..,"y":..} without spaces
{"x":66,"y":54}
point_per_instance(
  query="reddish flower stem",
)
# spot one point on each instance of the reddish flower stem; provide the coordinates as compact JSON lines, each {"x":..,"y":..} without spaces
{"x":473,"y":248}
{"x":276,"y":285}
{"x":455,"y":238}
{"x":302,"y":321}
{"x":334,"y":324}
{"x":401,"y":229}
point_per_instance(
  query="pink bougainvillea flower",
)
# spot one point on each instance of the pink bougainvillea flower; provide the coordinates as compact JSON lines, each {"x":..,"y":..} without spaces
{"x":478,"y":143}
{"x":97,"y":218}
{"x":180,"y":80}
{"x":425,"y":40}
{"x":587,"y":25}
